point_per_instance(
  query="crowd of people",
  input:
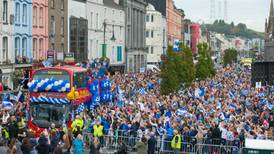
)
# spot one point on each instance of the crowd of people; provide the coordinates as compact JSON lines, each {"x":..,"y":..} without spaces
{"x":223,"y":110}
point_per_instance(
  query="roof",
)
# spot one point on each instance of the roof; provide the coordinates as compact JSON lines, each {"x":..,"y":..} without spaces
{"x":112,"y":4}
{"x":66,"y":68}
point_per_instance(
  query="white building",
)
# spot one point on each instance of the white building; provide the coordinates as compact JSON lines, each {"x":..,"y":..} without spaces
{"x":155,"y":35}
{"x":6,"y":42}
{"x":106,"y":32}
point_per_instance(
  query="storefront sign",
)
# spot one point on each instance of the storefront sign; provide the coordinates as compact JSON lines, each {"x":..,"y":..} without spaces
{"x":69,"y":57}
{"x":50,"y":55}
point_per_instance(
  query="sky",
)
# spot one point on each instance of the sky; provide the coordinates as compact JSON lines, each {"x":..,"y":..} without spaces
{"x":250,"y":12}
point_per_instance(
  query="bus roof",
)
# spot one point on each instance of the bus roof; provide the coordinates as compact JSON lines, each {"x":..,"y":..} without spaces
{"x":66,"y":68}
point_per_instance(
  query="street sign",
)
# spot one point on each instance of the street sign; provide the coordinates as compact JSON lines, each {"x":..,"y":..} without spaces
{"x":69,"y":57}
{"x":50,"y":55}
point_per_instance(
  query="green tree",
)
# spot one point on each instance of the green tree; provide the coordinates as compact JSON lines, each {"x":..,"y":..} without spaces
{"x":230,"y":56}
{"x":205,"y":66}
{"x":187,"y":69}
{"x":170,"y":82}
{"x":178,"y":68}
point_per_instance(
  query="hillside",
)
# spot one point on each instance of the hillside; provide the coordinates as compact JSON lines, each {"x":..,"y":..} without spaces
{"x":240,"y":30}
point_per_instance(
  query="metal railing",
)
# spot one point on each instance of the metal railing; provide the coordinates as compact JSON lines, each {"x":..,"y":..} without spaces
{"x":112,"y":144}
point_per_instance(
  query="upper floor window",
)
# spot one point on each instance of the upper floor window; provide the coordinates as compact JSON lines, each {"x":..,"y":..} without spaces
{"x":52,"y":24}
{"x":62,"y":25}
{"x":147,"y":18}
{"x":34,"y":16}
{"x":5,"y":11}
{"x":17,"y":46}
{"x":52,"y":4}
{"x":34,"y":42}
{"x":41,"y":46}
{"x":24,"y":46}
{"x":62,"y":4}
{"x":152,"y":18}
{"x":25,"y":14}
{"x":17,"y":13}
{"x":41,"y":13}
{"x":5,"y":48}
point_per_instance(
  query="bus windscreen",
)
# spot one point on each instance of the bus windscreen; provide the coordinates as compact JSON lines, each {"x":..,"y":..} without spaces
{"x":51,"y":74}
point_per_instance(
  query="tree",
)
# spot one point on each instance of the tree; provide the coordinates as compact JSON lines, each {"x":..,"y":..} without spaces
{"x":205,"y":65}
{"x":230,"y":56}
{"x":170,"y":82}
{"x":178,"y":68}
{"x":188,"y":68}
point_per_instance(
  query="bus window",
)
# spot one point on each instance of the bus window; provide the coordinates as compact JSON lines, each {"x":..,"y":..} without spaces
{"x":79,"y":80}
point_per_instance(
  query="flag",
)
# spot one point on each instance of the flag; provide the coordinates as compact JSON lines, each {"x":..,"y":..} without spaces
{"x":181,"y":111}
{"x":142,"y":91}
{"x":7,"y":105}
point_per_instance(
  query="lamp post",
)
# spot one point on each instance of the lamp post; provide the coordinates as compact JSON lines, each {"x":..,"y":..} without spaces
{"x":104,"y":41}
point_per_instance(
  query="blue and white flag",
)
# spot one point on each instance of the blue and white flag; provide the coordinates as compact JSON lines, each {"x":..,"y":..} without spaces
{"x":7,"y":105}
{"x":142,"y":91}
{"x":181,"y":111}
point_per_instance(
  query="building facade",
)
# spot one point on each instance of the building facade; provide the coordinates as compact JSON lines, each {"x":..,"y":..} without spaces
{"x":22,"y":48}
{"x":40,"y":29}
{"x":269,"y":35}
{"x":187,"y":32}
{"x":136,"y":52}
{"x":174,"y":22}
{"x":195,"y":37}
{"x":106,"y":31}
{"x":57,"y":31}
{"x":155,"y":35}
{"x":78,"y":29}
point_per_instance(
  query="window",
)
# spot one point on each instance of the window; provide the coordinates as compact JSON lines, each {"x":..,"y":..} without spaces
{"x":52,"y":23}
{"x":52,"y":46}
{"x":5,"y":11}
{"x":41,"y":46}
{"x":151,"y":50}
{"x":79,"y":80}
{"x":119,"y":53}
{"x":62,"y":47}
{"x":97,"y":21}
{"x":62,"y":25}
{"x":147,"y":33}
{"x":35,"y":16}
{"x":105,"y":11}
{"x":52,"y":4}
{"x":17,"y":46}
{"x":152,"y":18}
{"x":35,"y":48}
{"x":24,"y":46}
{"x":152,"y":34}
{"x":41,"y":12}
{"x":17,"y":13}
{"x":147,"y":18}
{"x":91,"y":20}
{"x":5,"y":48}
{"x":25,"y":14}
{"x":62,"y":5}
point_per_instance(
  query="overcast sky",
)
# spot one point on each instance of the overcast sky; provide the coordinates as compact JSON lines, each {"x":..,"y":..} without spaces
{"x":251,"y":12}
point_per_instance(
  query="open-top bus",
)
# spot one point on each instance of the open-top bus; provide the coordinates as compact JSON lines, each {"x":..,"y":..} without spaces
{"x":54,"y":93}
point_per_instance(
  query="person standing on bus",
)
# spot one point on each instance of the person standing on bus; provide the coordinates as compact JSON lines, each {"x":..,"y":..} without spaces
{"x":77,"y":125}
